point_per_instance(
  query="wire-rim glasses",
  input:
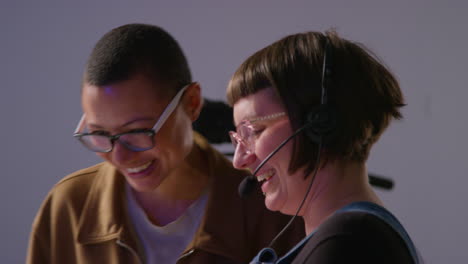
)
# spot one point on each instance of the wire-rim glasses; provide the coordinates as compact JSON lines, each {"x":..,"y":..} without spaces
{"x":245,"y":132}
{"x":137,"y":140}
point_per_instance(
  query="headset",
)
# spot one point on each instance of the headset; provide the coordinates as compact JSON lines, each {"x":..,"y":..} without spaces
{"x":321,"y":121}
{"x":319,"y":124}
{"x":319,"y":128}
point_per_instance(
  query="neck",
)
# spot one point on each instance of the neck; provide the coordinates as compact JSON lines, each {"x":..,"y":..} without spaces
{"x":177,"y":192}
{"x":337,"y":184}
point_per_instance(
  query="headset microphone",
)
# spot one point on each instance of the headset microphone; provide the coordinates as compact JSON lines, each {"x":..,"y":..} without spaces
{"x":250,"y":182}
{"x":322,"y":122}
{"x":247,"y":185}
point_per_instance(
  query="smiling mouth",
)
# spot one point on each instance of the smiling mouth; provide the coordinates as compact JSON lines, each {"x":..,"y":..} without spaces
{"x":265,"y":176}
{"x":139,"y":168}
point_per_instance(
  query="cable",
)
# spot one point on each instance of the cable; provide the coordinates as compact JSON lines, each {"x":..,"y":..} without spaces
{"x":317,"y":161}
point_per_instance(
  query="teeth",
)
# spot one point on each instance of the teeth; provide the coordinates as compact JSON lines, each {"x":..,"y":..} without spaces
{"x":265,"y":176}
{"x":138,"y":169}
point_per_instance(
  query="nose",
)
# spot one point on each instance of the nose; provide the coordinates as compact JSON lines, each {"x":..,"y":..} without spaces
{"x":242,"y":158}
{"x":120,"y":153}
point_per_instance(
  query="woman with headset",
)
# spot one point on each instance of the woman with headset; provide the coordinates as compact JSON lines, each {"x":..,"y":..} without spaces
{"x":307,"y":110}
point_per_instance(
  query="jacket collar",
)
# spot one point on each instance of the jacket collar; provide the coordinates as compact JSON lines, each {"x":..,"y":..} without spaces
{"x":222,"y":230}
{"x":104,"y":218}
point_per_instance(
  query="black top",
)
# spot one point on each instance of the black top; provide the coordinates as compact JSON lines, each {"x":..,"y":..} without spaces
{"x":354,"y":237}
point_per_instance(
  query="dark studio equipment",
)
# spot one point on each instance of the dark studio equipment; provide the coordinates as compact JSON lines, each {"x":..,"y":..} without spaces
{"x":216,"y":120}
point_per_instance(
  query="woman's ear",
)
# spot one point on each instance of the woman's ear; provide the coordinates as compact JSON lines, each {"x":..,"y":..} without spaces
{"x":193,"y":101}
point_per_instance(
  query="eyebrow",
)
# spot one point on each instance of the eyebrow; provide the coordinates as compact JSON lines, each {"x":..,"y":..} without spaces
{"x":265,"y":117}
{"x":250,"y":118}
{"x":143,"y":119}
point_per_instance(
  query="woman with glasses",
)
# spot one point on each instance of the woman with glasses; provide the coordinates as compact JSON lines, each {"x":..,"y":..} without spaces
{"x":307,"y":110}
{"x":163,"y":194}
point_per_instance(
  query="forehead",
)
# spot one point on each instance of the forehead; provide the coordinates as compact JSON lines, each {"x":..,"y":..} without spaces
{"x":261,"y":103}
{"x":137,"y":83}
{"x":110,"y":105}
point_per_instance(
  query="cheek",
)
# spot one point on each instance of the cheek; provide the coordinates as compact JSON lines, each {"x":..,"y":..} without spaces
{"x":175,"y":139}
{"x":266,"y":144}
{"x":263,"y":148}
{"x":176,"y":126}
{"x":104,"y":156}
{"x":177,"y":136}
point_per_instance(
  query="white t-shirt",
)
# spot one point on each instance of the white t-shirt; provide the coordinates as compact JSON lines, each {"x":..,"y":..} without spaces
{"x":165,"y":244}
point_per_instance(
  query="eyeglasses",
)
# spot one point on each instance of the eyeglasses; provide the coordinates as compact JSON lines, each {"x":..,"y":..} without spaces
{"x":138,"y":140}
{"x":245,"y":135}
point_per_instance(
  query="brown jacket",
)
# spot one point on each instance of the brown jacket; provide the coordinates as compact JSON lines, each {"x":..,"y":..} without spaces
{"x":84,"y":220}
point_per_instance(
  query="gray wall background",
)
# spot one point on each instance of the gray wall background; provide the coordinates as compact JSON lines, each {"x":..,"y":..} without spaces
{"x":44,"y":46}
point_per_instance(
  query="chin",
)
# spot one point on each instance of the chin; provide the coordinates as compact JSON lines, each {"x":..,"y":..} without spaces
{"x":277,"y":206}
{"x":273,"y":204}
{"x":143,"y":186}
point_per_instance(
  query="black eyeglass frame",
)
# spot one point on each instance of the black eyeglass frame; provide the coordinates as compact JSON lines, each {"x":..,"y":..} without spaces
{"x":150,"y":132}
{"x":113,"y":138}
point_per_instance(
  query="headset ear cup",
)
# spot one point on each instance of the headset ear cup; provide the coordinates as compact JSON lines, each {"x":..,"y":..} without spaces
{"x":321,"y":124}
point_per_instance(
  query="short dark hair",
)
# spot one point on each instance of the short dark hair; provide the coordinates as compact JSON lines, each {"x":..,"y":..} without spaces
{"x":137,"y":48}
{"x":362,"y":92}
